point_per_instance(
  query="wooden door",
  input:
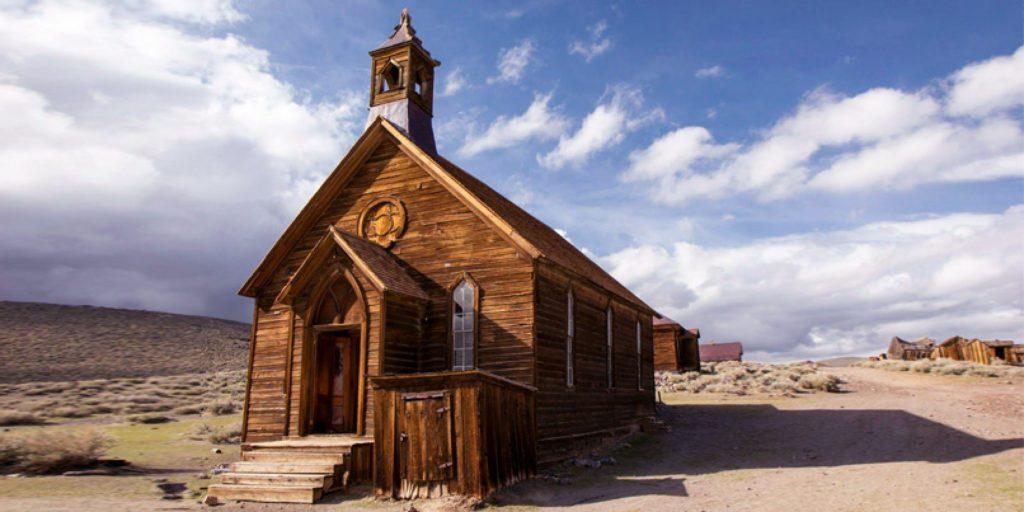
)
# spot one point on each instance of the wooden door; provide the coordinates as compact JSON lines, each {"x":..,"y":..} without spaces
{"x":337,"y":384}
{"x":425,"y":459}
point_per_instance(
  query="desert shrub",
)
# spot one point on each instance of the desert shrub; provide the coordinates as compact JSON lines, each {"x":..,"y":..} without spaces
{"x":217,"y":435}
{"x":736,"y":378}
{"x":188,"y":410}
{"x":52,"y":452}
{"x":71,"y":411}
{"x":921,"y":366}
{"x":819,"y":382}
{"x":10,"y":418}
{"x":149,"y":419}
{"x":222,"y":407}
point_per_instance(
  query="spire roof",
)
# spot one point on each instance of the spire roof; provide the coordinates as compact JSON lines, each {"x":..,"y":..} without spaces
{"x":403,"y":33}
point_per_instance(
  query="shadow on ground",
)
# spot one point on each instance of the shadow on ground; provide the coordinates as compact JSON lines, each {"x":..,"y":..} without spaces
{"x":708,"y":439}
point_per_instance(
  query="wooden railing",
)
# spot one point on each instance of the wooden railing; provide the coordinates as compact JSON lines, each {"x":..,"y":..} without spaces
{"x":468,"y":433}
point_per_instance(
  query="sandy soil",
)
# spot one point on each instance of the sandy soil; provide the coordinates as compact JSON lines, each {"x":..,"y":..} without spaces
{"x":893,"y":441}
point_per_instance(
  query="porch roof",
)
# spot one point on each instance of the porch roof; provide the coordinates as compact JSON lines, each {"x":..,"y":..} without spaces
{"x":379,"y":266}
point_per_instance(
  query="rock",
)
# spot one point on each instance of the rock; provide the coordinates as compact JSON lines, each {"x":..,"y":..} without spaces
{"x":215,"y":450}
{"x":210,"y":501}
{"x":220,"y":469}
{"x":608,"y":461}
{"x":588,"y":463}
{"x":16,"y":475}
{"x":171,"y":487}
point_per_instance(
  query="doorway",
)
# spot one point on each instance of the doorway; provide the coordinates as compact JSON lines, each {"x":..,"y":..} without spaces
{"x":336,"y":383}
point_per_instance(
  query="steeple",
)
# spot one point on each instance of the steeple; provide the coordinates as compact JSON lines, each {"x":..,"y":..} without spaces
{"x":402,"y":84}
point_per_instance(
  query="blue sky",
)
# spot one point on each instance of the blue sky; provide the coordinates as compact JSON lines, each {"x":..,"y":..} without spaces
{"x":810,"y":178}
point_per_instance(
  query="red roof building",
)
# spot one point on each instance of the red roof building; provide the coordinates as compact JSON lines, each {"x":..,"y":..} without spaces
{"x":716,"y":352}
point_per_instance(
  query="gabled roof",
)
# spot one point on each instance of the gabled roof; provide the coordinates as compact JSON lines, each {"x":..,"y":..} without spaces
{"x":531,"y":236}
{"x":664,"y":320}
{"x":378,"y":265}
{"x":715,"y":352}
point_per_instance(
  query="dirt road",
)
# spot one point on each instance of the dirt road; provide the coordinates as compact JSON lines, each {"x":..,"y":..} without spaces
{"x":892,"y":442}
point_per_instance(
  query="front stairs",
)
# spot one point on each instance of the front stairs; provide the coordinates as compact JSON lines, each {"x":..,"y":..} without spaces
{"x":298,"y":470}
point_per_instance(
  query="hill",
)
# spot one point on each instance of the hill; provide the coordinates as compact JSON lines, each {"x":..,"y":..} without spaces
{"x":51,"y":342}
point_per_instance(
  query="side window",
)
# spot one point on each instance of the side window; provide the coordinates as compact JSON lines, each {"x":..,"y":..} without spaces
{"x":608,"y":336}
{"x":570,"y":371}
{"x":463,"y":325}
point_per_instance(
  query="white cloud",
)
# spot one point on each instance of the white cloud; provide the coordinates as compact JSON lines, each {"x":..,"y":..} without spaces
{"x":990,"y":86}
{"x":710,"y":72}
{"x":454,"y":82}
{"x":595,"y":45}
{"x":135,"y":148}
{"x":539,"y":122}
{"x":512,"y":62}
{"x":604,"y":127}
{"x":884,"y":138}
{"x":841,"y":292}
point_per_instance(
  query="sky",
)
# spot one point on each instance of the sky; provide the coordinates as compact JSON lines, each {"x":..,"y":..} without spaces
{"x":808,"y":178}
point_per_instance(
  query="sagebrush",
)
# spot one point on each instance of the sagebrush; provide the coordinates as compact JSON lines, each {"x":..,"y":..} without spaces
{"x":737,"y":378}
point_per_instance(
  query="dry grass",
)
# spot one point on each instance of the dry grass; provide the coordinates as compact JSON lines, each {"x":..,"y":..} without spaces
{"x":947,"y":367}
{"x":49,"y":342}
{"x":750,"y":378}
{"x":172,"y":396}
{"x":52,"y":452}
{"x":228,"y":434}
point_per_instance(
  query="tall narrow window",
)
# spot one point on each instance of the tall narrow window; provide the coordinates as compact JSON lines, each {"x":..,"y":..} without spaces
{"x":608,"y":339}
{"x":571,"y":328}
{"x":639,"y":360}
{"x":463,"y":325}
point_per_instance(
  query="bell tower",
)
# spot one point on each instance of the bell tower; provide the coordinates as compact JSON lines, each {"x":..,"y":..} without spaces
{"x":402,"y":84}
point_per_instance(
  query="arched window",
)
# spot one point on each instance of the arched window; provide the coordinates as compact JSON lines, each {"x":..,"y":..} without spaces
{"x":463,"y":325}
{"x":608,"y":339}
{"x":571,"y":329}
{"x":639,"y":377}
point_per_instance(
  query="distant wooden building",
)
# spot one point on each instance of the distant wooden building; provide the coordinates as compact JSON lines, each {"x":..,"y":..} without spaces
{"x":415,"y":328}
{"x":719,"y":352}
{"x":977,"y":350}
{"x":900,"y":349}
{"x":675,"y":347}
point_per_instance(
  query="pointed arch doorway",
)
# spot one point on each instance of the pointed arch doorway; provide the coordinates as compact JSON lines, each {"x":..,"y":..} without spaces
{"x":336,"y":362}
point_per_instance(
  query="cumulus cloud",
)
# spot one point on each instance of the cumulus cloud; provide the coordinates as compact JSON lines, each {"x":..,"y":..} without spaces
{"x":595,"y":45}
{"x":886,"y":138}
{"x":512,"y":62}
{"x":841,"y":292}
{"x":148,"y":164}
{"x":539,"y":122}
{"x":619,"y":113}
{"x":710,"y":72}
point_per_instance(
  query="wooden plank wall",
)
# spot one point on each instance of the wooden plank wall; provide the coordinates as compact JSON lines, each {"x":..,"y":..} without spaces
{"x":665,"y":357}
{"x":402,"y":330}
{"x":588,"y":409}
{"x":265,"y":416}
{"x":493,"y":423}
{"x":442,"y":240}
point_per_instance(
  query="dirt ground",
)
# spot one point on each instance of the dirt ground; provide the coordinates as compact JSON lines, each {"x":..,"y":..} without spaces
{"x":892,"y":441}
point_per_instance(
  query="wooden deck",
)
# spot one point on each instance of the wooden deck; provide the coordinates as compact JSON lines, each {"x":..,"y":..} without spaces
{"x":296,"y":470}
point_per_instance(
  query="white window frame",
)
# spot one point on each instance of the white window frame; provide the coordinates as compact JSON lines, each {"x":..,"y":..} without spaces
{"x":570,"y":369}
{"x":609,"y":335}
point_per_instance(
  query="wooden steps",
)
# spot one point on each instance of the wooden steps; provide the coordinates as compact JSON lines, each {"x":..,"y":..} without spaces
{"x":291,"y":471}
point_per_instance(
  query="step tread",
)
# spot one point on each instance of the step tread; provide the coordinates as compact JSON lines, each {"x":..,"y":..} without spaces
{"x":266,"y":493}
{"x":247,"y":466}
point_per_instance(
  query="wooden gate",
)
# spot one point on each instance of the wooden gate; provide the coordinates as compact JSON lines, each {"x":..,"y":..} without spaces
{"x":424,"y":433}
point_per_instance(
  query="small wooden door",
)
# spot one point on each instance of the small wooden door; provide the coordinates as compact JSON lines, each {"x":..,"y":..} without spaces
{"x":337,"y":384}
{"x":426,"y":462}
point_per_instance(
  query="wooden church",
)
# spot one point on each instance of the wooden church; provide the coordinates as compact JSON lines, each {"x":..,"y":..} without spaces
{"x":416,"y":330}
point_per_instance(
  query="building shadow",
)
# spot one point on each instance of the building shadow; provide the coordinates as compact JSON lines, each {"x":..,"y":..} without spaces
{"x":707,"y":439}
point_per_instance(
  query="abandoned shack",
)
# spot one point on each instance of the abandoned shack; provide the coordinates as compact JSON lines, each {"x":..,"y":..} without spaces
{"x":414,"y":328}
{"x":952,"y":348}
{"x":718,"y":352}
{"x":675,"y":347}
{"x":900,"y":349}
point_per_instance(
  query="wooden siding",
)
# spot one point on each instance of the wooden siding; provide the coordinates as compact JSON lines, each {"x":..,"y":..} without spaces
{"x":589,"y":408}
{"x":666,"y":359}
{"x":466,"y":433}
{"x":443,"y":239}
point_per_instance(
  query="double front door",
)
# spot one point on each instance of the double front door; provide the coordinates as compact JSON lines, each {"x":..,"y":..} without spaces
{"x":336,"y":383}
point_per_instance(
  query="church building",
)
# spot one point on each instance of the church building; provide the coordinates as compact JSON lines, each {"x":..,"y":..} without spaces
{"x":415,"y":329}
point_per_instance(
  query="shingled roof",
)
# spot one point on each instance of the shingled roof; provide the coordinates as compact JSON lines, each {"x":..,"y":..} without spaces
{"x":716,"y":352}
